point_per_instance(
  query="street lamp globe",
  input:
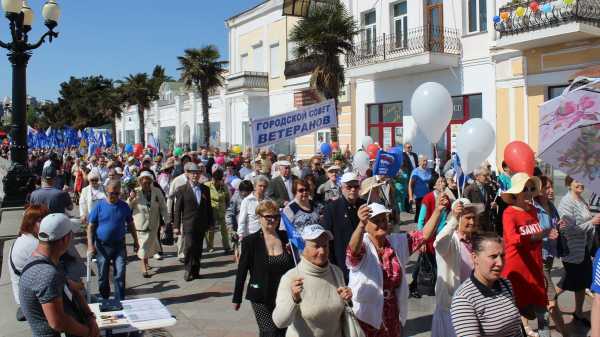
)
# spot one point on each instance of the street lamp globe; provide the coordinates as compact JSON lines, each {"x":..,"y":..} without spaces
{"x":27,"y":14}
{"x":12,"y":6}
{"x":51,"y":12}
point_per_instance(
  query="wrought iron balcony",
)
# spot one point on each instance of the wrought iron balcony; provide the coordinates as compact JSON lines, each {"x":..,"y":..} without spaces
{"x":299,"y":67}
{"x":248,"y":80}
{"x":521,"y":17}
{"x":420,"y":40}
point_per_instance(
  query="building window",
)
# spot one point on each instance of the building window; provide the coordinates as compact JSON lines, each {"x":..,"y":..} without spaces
{"x":369,"y":31}
{"x":129,"y":136}
{"x":384,"y":123}
{"x":274,"y":64}
{"x":555,"y":91}
{"x":477,"y":16}
{"x":257,"y":54}
{"x":244,"y":62}
{"x":400,"y":24}
{"x":323,"y":136}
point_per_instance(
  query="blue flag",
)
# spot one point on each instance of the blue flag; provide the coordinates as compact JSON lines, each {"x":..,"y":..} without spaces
{"x":293,"y":236}
{"x":458,"y":172}
{"x":387,"y":164}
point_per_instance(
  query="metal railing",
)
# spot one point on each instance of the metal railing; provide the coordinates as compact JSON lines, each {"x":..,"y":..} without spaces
{"x":299,"y":67}
{"x":416,"y":41}
{"x":248,"y":80}
{"x":548,"y":14}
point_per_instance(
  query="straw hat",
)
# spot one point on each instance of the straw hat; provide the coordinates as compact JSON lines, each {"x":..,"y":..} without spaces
{"x":368,"y":184}
{"x":518,"y":182}
{"x":145,"y":174}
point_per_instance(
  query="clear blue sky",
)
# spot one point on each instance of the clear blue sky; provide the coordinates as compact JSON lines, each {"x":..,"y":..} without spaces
{"x":115,"y":38}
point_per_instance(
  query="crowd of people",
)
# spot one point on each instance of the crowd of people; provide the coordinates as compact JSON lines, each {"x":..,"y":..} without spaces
{"x":486,"y":249}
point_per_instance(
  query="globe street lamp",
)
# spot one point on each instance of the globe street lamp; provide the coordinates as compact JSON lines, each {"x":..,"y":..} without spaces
{"x":20,"y":16}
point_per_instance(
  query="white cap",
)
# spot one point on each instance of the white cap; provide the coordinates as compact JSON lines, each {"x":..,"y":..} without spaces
{"x":333,"y":167}
{"x":477,"y":208}
{"x":146,"y":174}
{"x":377,"y":209}
{"x":283,"y":163}
{"x":312,"y":232}
{"x":348,"y":177}
{"x":55,"y":226}
{"x":235,"y":183}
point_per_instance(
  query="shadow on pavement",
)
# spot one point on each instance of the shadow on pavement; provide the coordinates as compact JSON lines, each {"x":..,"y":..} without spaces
{"x":418,"y":325}
{"x":155,"y":287}
{"x":221,"y":274}
{"x":193,"y":297}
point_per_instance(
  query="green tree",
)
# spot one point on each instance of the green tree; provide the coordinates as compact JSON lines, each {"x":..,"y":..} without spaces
{"x":158,"y":77}
{"x":137,"y":90}
{"x":323,"y":36}
{"x":202,"y":70}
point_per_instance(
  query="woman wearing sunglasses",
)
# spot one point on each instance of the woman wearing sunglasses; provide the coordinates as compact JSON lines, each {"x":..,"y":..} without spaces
{"x":579,"y":231}
{"x":523,"y":236}
{"x":302,"y":211}
{"x":266,"y":257}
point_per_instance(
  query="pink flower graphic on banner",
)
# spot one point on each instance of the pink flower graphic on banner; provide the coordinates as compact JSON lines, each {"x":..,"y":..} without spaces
{"x":571,"y":112}
{"x":583,"y":156}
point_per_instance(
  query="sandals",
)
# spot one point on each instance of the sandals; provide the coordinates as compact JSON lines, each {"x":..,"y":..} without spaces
{"x":529,"y":332}
{"x":582,"y":320}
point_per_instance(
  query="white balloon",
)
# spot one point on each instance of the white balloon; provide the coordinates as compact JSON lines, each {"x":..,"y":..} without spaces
{"x":360,"y":162}
{"x":474,"y":143}
{"x":366,"y":141}
{"x":431,"y":107}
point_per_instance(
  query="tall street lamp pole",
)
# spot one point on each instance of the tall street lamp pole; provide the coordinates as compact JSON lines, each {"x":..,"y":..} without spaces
{"x":20,"y":16}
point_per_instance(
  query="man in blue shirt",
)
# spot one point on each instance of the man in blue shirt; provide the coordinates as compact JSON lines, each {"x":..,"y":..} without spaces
{"x":596,"y":301}
{"x":108,"y":224}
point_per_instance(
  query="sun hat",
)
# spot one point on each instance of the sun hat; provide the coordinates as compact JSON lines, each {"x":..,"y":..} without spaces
{"x":518,"y":182}
{"x":145,"y":174}
{"x":312,"y":232}
{"x":368,"y":184}
{"x":283,"y":163}
{"x":333,"y":167}
{"x":55,"y":226}
{"x":377,"y":209}
{"x":478,"y":208}
{"x":191,"y":167}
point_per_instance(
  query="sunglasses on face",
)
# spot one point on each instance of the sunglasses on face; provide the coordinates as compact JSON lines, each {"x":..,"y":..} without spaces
{"x":302,"y":190}
{"x":94,"y":180}
{"x":353,"y":187}
{"x":270,"y":217}
{"x":114,"y":193}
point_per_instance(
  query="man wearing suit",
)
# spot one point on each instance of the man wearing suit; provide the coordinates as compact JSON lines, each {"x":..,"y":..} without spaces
{"x":479,"y":192}
{"x":193,"y":216}
{"x":341,"y":218}
{"x":280,"y":188}
{"x":410,"y":161}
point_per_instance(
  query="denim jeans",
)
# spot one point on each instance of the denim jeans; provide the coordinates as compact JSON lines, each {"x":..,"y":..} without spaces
{"x":111,"y":253}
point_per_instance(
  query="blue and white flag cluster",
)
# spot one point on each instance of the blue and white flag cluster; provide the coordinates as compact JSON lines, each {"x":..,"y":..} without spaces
{"x":67,"y":137}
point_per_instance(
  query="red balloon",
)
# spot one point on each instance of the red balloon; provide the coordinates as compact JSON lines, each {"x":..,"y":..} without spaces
{"x":519,"y":157}
{"x":534,"y":6}
{"x":335,"y":146}
{"x":138,"y":149}
{"x":372,"y":150}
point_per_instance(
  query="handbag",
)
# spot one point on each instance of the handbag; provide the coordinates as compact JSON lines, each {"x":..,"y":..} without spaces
{"x":427,"y":275}
{"x":350,"y":325}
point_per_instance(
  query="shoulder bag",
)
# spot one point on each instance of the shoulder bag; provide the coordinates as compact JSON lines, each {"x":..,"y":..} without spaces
{"x":350,"y":325}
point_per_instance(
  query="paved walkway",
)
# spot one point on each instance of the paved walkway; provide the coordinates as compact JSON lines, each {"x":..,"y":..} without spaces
{"x":203,"y":307}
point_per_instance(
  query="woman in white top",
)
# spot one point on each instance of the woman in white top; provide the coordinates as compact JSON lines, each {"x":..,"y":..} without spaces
{"x":453,"y":250}
{"x":22,"y":248}
{"x":248,"y":220}
{"x":310,"y":298}
{"x":90,"y":195}
{"x":377,"y":263}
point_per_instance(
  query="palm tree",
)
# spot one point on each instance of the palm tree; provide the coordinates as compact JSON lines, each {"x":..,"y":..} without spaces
{"x":327,"y":32}
{"x":202,"y":71}
{"x":137,"y":90}
{"x":158,"y":77}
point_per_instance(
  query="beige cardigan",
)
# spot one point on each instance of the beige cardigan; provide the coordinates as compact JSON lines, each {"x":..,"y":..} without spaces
{"x":319,"y":314}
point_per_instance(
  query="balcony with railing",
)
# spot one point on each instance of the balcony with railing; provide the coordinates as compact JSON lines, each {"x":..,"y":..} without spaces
{"x":531,"y":24}
{"x":299,"y":67}
{"x":424,"y":48}
{"x":248,"y":80}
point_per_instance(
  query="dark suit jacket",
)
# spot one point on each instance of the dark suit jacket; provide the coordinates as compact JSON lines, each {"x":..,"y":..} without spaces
{"x":277,"y":191}
{"x":407,"y":166}
{"x":341,"y":219}
{"x":264,"y":279}
{"x":473,"y":193}
{"x":189,"y":216}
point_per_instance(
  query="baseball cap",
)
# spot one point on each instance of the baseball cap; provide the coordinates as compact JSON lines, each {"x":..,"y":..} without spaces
{"x":312,"y":232}
{"x":118,"y":170}
{"x":377,"y":209}
{"x":191,"y":167}
{"x":55,"y":226}
{"x":477,"y":208}
{"x":333,"y":168}
{"x":284,"y":163}
{"x":348,"y":177}
{"x":49,"y":172}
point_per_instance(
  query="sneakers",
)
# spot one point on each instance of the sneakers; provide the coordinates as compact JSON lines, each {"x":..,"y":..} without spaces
{"x":157,"y":256}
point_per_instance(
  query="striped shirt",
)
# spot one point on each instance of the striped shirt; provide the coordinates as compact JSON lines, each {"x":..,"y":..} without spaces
{"x":478,"y":311}
{"x":580,"y":231}
{"x":596,"y":278}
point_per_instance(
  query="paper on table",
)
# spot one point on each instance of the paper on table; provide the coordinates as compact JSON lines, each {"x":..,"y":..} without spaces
{"x":143,"y":310}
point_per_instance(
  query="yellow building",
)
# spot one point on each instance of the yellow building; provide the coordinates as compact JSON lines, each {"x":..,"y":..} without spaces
{"x":536,"y":55}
